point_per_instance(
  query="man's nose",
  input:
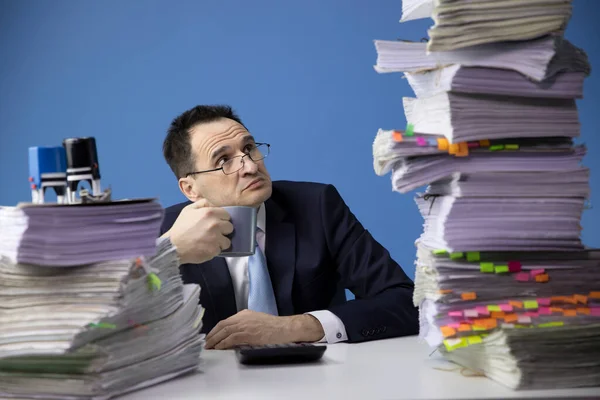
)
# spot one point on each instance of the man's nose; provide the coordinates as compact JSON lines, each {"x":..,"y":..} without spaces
{"x":249,"y":166}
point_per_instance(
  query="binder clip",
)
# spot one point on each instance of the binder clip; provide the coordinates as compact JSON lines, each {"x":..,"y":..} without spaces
{"x":47,"y":169}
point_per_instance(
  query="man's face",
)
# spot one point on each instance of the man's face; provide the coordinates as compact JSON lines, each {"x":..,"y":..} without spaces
{"x":213,"y":143}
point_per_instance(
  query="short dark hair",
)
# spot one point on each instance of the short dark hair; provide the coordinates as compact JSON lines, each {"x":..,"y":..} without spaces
{"x":177,"y":148}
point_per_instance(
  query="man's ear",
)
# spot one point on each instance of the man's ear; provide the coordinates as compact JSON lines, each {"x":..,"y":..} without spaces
{"x":187,"y":187}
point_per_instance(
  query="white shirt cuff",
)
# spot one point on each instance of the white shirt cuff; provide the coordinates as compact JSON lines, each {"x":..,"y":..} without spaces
{"x":334,"y":328}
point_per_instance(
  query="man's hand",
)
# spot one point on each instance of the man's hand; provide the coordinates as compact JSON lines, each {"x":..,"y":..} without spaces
{"x":199,"y":232}
{"x":256,"y":328}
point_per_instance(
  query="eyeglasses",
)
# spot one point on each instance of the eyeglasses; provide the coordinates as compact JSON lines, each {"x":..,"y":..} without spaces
{"x":259,"y":152}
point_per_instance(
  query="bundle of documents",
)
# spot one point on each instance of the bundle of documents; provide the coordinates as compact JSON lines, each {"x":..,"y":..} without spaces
{"x":97,"y":329}
{"x":75,"y":234}
{"x":503,"y":283}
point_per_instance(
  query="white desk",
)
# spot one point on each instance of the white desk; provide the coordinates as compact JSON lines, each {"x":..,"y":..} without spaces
{"x":386,"y":369}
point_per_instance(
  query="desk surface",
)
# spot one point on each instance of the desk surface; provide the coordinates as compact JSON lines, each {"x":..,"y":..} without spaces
{"x":395,"y":368}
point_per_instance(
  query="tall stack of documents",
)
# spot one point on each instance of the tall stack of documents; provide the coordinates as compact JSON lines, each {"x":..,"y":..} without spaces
{"x":91,"y":304}
{"x":503,"y":283}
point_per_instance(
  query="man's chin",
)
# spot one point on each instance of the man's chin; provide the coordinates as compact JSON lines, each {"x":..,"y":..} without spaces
{"x":254,"y":197}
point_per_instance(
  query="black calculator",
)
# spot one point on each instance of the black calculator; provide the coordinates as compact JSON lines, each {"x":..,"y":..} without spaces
{"x":289,"y":353}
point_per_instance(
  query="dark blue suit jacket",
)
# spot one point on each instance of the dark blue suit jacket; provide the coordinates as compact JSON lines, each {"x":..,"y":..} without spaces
{"x":315,"y":247}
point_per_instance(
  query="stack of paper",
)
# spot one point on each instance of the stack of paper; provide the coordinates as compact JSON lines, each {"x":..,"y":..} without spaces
{"x":75,"y":234}
{"x":464,"y":23}
{"x":98,"y":329}
{"x":503,"y":283}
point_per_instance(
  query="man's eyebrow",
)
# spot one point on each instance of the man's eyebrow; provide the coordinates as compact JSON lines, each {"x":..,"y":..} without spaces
{"x":249,"y":139}
{"x":219,"y":151}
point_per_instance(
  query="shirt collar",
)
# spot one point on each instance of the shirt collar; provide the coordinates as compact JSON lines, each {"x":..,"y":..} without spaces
{"x":261,"y":218}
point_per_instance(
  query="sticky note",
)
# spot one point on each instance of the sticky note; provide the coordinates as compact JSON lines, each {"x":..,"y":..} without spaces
{"x":105,"y":325}
{"x":421,"y":141}
{"x":409,"y":130}
{"x":543,"y":301}
{"x":556,"y":309}
{"x":154,"y":282}
{"x":542,"y":278}
{"x":595,"y":311}
{"x":453,"y":148}
{"x":511,"y":146}
{"x":493,"y":307}
{"x":463,"y":150}
{"x":594,"y":295}
{"x":522,"y":277}
{"x":469,"y":296}
{"x":511,"y":317}
{"x":580,"y":298}
{"x":523,"y":319}
{"x":445,"y":291}
{"x":443,"y":144}
{"x":496,"y":147}
{"x":514,"y":266}
{"x":533,"y":314}
{"x":474,"y":339}
{"x":453,"y":344}
{"x":545,"y":311}
{"x":471,"y":313}
{"x":486,"y":267}
{"x":484,"y":143}
{"x":479,"y":328}
{"x":473,"y":145}
{"x":432,"y":141}
{"x":516,"y":304}
{"x":482,"y":310}
{"x":506,"y":307}
{"x":439,"y":252}
{"x":501,"y":269}
{"x":455,"y":314}
{"x":456,"y":255}
{"x":583,"y":310}
{"x":447,"y":331}
{"x":454,"y":325}
{"x":397,"y":136}
{"x":464,"y":328}
{"x":497,"y":314}
{"x":530,"y":304}
{"x":472,"y":256}
{"x":535,"y":272}
{"x":551,"y":324}
{"x":570,"y":313}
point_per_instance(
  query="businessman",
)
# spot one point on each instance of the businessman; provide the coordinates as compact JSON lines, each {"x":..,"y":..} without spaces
{"x":310,"y":246}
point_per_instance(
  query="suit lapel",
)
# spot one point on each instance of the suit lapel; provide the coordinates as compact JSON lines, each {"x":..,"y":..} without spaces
{"x":281,"y":255}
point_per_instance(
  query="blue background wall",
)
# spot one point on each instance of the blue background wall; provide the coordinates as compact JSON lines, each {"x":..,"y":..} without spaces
{"x":299,"y":73}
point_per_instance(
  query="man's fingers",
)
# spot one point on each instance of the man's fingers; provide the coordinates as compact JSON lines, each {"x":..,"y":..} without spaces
{"x":235,"y":339}
{"x":221,"y":213}
{"x":220,"y":335}
{"x":226,"y":227}
{"x":200,"y":204}
{"x":224,"y":243}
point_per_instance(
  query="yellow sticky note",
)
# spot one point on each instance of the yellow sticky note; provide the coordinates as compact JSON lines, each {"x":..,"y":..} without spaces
{"x":530,"y":304}
{"x":474,"y":339}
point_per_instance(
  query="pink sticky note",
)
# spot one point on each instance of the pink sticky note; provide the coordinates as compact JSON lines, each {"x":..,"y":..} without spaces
{"x":522,"y":277}
{"x":531,"y":314}
{"x":466,"y":322}
{"x":421,"y":141}
{"x":472,"y":144}
{"x":595,"y":311}
{"x":482,"y":310}
{"x":543,"y":301}
{"x":514,"y":266}
{"x":471,"y":313}
{"x":455,"y":314}
{"x":506,"y":307}
{"x":544,"y":310}
{"x":535,"y":272}
{"x":454,"y":325}
{"x":523,"y":319}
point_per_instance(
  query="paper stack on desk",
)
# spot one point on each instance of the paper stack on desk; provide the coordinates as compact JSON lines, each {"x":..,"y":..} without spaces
{"x":503,"y":283}
{"x":99,"y":329}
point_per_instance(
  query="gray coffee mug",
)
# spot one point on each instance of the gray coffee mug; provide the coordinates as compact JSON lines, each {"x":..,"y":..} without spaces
{"x":243,"y":237}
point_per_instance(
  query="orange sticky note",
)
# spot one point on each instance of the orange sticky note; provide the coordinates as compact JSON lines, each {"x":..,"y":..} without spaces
{"x":397,"y":136}
{"x":469,"y":296}
{"x":447,"y":331}
{"x":556,"y":309}
{"x":484,"y":143}
{"x":569,"y":300}
{"x":542,"y":278}
{"x":463,"y":150}
{"x":557,"y":299}
{"x":464,"y":327}
{"x":580,"y":298}
{"x":516,"y":304}
{"x":570,"y":313}
{"x":453,"y":148}
{"x":497,"y":314}
{"x":445,"y":291}
{"x":511,"y":318}
{"x":442,"y":144}
{"x":594,"y":295}
{"x":488,"y":323}
{"x":583,"y":310}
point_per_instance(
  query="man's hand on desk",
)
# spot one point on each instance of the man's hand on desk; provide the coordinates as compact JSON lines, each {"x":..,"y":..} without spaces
{"x":199,"y":232}
{"x":255,"y":328}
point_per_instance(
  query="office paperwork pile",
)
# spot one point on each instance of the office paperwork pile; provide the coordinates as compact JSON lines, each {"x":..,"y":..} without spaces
{"x":503,"y":282}
{"x":91,"y":304}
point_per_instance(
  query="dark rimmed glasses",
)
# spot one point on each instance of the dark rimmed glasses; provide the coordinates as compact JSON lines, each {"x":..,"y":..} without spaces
{"x":259,"y":152}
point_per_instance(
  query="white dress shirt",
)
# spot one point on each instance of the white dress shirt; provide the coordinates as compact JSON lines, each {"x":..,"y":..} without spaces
{"x":334,"y":328}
